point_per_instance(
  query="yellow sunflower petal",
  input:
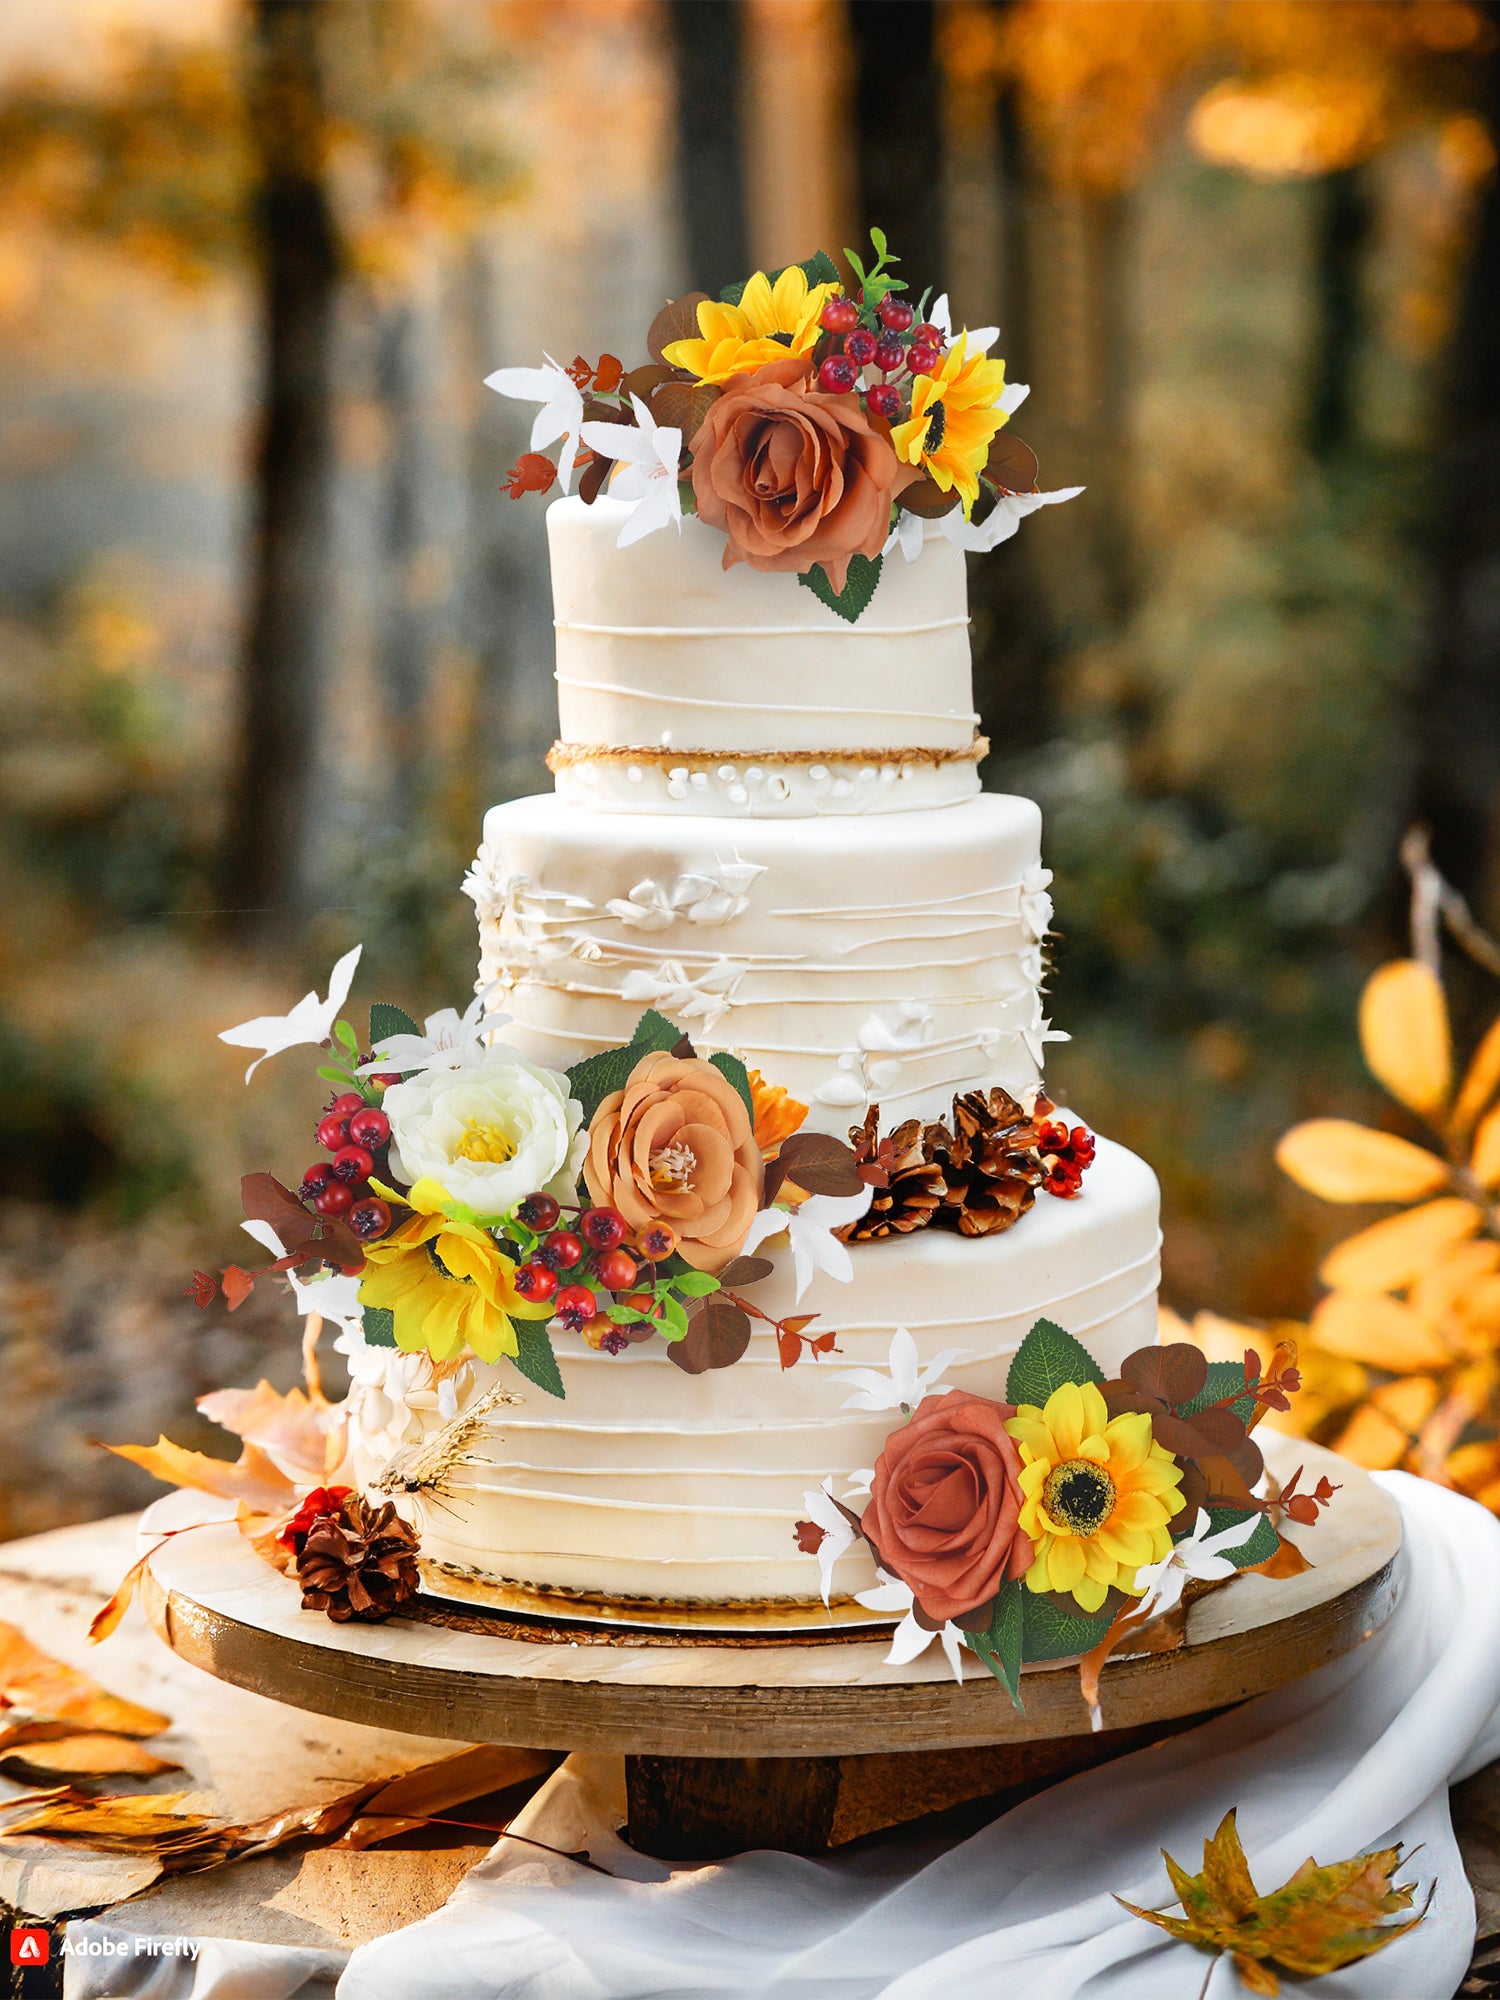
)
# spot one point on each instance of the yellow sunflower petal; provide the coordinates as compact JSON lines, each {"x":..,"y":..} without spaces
{"x":1066,"y":1562}
{"x":1090,"y":1593}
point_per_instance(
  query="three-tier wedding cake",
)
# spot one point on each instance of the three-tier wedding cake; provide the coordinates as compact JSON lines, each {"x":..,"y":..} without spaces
{"x":768,"y":825}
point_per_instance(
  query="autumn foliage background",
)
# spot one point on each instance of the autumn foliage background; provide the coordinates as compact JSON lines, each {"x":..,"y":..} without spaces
{"x":271,"y":637}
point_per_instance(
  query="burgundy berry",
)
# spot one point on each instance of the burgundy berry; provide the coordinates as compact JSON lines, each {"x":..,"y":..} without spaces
{"x":922,"y":359}
{"x":928,"y":334}
{"x":895,"y":313}
{"x":369,"y":1128}
{"x":538,"y":1211}
{"x":346,"y":1105}
{"x":335,"y":1199}
{"x":838,"y":375}
{"x":603,"y":1228}
{"x":614,"y":1342}
{"x":840,"y":315}
{"x":333,"y":1132}
{"x":888,"y":356}
{"x":369,"y":1218}
{"x":885,"y":400}
{"x":562,"y":1250}
{"x":860,"y":347}
{"x":353,"y":1163}
{"x":575,"y":1306}
{"x":616,"y":1270}
{"x":315,"y":1180}
{"x":535,"y":1282}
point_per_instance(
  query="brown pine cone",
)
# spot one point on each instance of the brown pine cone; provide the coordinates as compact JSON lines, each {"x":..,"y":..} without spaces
{"x":911,"y":1186}
{"x":989,"y":1162}
{"x":359,"y":1563}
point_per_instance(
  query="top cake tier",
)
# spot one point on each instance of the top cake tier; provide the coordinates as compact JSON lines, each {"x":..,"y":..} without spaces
{"x":739,"y":693}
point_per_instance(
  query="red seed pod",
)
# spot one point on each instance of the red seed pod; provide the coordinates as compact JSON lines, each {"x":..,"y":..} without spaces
{"x":922,"y":359}
{"x":616,"y":1270}
{"x":539,"y":1211}
{"x":603,"y":1228}
{"x":353,"y":1163}
{"x":656,"y":1241}
{"x":346,"y":1105}
{"x":369,"y":1128}
{"x":839,"y":315}
{"x":369,"y":1219}
{"x":895,"y":313}
{"x":838,"y":375}
{"x":860,"y":347}
{"x":335,"y":1199}
{"x":535,"y":1282}
{"x":575,"y":1306}
{"x":315,"y":1180}
{"x":885,"y":401}
{"x":333,"y":1132}
{"x":561,"y":1250}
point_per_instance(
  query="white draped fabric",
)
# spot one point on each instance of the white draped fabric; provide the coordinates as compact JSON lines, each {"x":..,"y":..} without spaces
{"x":1357,"y":1756}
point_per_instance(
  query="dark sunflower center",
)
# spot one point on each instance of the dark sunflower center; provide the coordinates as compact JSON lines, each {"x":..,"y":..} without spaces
{"x":453,"y":1277}
{"x":785,"y":339}
{"x":937,"y":424}
{"x":1080,"y":1496}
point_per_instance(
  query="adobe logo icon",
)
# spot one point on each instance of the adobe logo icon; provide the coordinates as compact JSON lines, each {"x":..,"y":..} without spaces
{"x":30,"y":1947}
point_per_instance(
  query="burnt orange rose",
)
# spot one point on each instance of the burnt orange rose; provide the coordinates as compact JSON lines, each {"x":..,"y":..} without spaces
{"x":792,"y":476}
{"x":945,"y":1504}
{"x":676,"y":1146}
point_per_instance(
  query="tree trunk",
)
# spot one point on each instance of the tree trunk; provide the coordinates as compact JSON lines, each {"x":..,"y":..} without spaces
{"x":1457,"y":714}
{"x":289,"y":629}
{"x":897,"y":115}
{"x":1343,"y":235}
{"x":410,"y":551}
{"x":707,"y":55}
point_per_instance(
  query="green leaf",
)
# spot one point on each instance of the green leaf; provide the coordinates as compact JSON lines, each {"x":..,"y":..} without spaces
{"x":877,"y":237}
{"x":695,"y":1285}
{"x":732,"y":294}
{"x":1223,"y":1378}
{"x":1000,"y":1646}
{"x":534,"y":1356}
{"x":333,"y":1075}
{"x":1047,"y":1358}
{"x":859,"y":586}
{"x":344,"y":1034}
{"x":1050,"y":1634}
{"x":379,"y":1326}
{"x":674,"y":1321}
{"x":593,"y":1079}
{"x":731,"y":1067}
{"x":819,"y":269}
{"x":1261,"y":1545}
{"x":856,"y":264}
{"x":386,"y":1020}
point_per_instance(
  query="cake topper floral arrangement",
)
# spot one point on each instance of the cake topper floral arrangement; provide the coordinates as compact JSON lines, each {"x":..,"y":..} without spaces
{"x":1067,"y":1518}
{"x":816,"y":420}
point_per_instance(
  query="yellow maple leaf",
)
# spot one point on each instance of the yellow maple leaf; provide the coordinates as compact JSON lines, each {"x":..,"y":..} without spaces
{"x":1390,"y":1254}
{"x":1321,"y":1919}
{"x":1403,"y":1029}
{"x":32,"y":1680}
{"x":1341,"y":1161}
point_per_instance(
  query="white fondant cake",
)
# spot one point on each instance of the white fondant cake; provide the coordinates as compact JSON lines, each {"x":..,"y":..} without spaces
{"x":784,"y":849}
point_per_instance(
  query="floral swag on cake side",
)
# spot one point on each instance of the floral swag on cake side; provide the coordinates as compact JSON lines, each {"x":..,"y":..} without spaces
{"x":1072,"y":1518}
{"x":816,"y":424}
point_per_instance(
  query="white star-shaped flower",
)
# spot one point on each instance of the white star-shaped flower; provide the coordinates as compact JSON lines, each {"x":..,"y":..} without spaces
{"x":907,"y":535}
{"x":1038,"y":1035}
{"x":906,"y":1384}
{"x":980,"y":338}
{"x":311,"y":1020}
{"x":333,"y":1296}
{"x":561,"y":414}
{"x":1007,"y":514}
{"x":837,"y":1533}
{"x":451,"y":1041}
{"x":810,"y":1227}
{"x":910,"y":1639}
{"x":649,"y":465}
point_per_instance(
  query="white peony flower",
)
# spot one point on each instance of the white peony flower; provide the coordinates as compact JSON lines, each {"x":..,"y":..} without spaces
{"x":490,"y":1134}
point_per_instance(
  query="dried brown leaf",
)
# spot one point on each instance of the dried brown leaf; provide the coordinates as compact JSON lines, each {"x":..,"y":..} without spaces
{"x":1012,"y":464}
{"x":253,"y":1477}
{"x":32,"y":1680}
{"x":677,"y":320}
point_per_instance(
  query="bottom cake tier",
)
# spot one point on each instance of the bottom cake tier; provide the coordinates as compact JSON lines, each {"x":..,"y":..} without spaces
{"x":647,"y":1483}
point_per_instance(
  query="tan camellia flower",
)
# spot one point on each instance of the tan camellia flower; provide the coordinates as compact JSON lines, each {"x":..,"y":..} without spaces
{"x":794,"y":477}
{"x":676,"y":1146}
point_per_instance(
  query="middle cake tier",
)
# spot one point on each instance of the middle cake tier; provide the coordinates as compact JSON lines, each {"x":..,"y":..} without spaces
{"x":892,"y":960}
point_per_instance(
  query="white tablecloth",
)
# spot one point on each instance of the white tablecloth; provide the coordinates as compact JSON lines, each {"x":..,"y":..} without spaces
{"x":1357,"y":1756}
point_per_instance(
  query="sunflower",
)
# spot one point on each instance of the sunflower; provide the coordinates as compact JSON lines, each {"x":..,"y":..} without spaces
{"x":770,"y":322}
{"x":445,"y":1283}
{"x":955,"y":414}
{"x":1099,"y":1494}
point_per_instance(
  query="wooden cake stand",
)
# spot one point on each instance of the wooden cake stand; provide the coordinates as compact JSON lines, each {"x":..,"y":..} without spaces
{"x":750,"y":1740}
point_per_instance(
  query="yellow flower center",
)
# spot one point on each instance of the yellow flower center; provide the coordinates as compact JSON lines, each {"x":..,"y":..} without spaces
{"x":484,"y":1143}
{"x":1079,"y":1495}
{"x":673,"y":1166}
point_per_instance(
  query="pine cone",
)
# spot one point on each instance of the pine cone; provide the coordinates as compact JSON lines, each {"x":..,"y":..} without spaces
{"x":358,"y":1563}
{"x":989,"y":1162}
{"x":909,"y":1187}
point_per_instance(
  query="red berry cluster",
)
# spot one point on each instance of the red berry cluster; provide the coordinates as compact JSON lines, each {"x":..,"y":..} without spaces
{"x":595,"y":1250}
{"x":357,"y":1134}
{"x":1068,"y":1151}
{"x":320,"y":1501}
{"x":886,"y":337}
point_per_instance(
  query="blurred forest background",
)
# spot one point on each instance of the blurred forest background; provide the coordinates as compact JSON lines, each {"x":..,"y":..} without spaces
{"x":271,"y":638}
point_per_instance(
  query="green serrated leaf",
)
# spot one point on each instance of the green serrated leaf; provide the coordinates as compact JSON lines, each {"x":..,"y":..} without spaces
{"x":731,"y":1067}
{"x":534,"y":1356}
{"x":1050,"y":1634}
{"x":379,"y":1326}
{"x":1000,"y":1646}
{"x":732,"y":294}
{"x":859,"y":586}
{"x":654,"y":1031}
{"x":593,"y":1079}
{"x":819,"y":269}
{"x":1223,"y":1378}
{"x":1046,"y":1359}
{"x":386,"y":1020}
{"x":1260,"y":1547}
{"x":694,"y":1285}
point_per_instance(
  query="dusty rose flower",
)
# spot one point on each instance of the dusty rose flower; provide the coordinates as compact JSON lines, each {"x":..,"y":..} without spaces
{"x":945,"y":1504}
{"x":676,"y":1146}
{"x":793,"y":476}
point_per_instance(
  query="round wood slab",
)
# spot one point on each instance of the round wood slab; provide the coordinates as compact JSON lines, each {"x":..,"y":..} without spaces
{"x":218,"y":1605}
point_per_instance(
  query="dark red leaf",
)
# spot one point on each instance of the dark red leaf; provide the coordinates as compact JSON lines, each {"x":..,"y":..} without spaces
{"x":820,"y":1163}
{"x":644,"y":382}
{"x":824,"y":1344}
{"x":789,"y":1348}
{"x":238,"y":1285}
{"x":925,"y":498}
{"x":683,"y":406}
{"x":609,"y":374}
{"x":595,"y":473}
{"x":677,"y":320}
{"x":1011,"y":465}
{"x":203,"y":1290}
{"x":745,"y":1271}
{"x":717,"y":1336}
{"x":810,"y":1537}
{"x":1174,"y":1373}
